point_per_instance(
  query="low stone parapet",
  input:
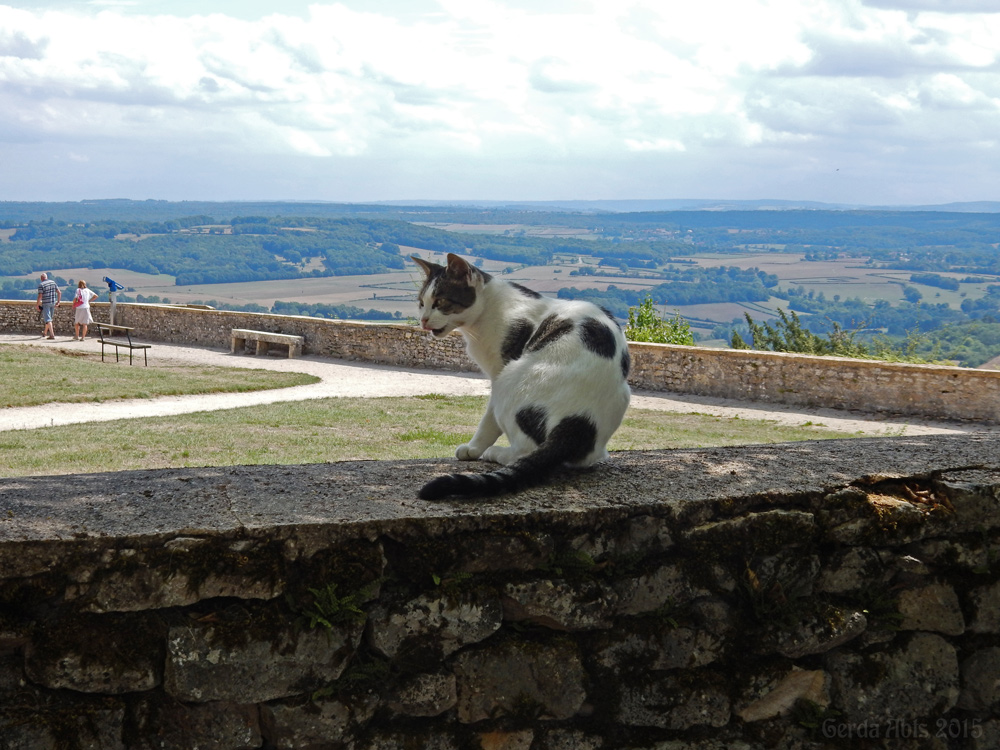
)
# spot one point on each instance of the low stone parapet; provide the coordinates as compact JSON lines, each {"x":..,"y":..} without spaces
{"x":869,"y":386}
{"x":767,"y":596}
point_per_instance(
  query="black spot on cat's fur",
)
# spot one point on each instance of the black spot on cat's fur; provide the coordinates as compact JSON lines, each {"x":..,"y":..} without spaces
{"x":452,"y":296}
{"x":527,"y":292}
{"x":598,"y":338}
{"x":531,"y":420}
{"x":549,"y":330}
{"x":513,"y":343}
{"x":626,"y":363}
{"x":578,"y":436}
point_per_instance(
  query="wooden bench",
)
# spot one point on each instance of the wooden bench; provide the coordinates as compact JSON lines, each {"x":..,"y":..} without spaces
{"x":264,"y":340}
{"x":107,"y":329}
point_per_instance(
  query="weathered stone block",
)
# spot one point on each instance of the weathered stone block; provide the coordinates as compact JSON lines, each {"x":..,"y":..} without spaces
{"x":819,"y":631}
{"x":410,"y":738}
{"x":499,"y":740}
{"x":985,"y":609}
{"x":643,"y":535}
{"x":520,"y":678}
{"x":765,"y":533}
{"x":870,"y":518}
{"x":76,"y":653}
{"x":315,"y":724}
{"x":968,"y":557}
{"x":495,"y":552}
{"x":437,"y":624}
{"x":88,"y":726}
{"x":170,"y":725}
{"x":850,"y":570}
{"x":11,"y":674}
{"x":917,"y":679}
{"x":205,"y":663}
{"x":570,"y":739}
{"x":983,"y":735}
{"x":668,"y":647}
{"x":183,"y":571}
{"x":777,"y":694}
{"x":698,"y":699}
{"x":424,"y":695}
{"x":667,"y":585}
{"x":934,"y":607}
{"x":975,"y":497}
{"x":981,"y":682}
{"x":560,"y":605}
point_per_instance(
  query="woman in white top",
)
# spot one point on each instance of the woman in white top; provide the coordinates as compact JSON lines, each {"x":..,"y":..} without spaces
{"x":81,"y":306}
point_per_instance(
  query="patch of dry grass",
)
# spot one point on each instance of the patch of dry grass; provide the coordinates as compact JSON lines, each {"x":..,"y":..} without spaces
{"x":334,"y":429}
{"x":32,"y":376}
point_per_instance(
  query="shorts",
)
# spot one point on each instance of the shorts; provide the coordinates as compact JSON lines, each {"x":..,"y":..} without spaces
{"x":47,"y":309}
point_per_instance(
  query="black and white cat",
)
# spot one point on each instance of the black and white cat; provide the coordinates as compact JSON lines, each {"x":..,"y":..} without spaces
{"x":558,"y":370}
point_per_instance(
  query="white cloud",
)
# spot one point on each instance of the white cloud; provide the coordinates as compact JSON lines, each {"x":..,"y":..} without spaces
{"x":660,"y":144}
{"x":499,"y":88}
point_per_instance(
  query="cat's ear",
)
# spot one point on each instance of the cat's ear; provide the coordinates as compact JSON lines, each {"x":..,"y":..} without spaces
{"x":427,"y":266}
{"x":459,"y":268}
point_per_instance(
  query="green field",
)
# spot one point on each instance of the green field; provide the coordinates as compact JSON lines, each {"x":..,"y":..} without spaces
{"x":393,"y":292}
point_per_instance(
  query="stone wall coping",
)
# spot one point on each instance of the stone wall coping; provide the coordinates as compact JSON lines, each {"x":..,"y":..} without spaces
{"x":361,"y":499}
{"x":860,"y":363}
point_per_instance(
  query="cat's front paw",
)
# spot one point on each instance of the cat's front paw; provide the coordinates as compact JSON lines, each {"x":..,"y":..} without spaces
{"x":500,"y":455}
{"x":468,"y":452}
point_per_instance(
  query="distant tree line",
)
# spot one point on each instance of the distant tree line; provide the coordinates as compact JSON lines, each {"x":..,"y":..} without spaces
{"x":936,"y":280}
{"x":259,"y":248}
{"x":699,"y":286}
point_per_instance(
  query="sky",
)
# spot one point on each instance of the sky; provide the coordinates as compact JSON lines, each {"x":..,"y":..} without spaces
{"x":872,"y":102}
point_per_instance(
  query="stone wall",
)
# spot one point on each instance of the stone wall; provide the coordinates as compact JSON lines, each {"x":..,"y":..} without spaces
{"x":817,"y":596}
{"x":401,"y":345}
{"x":927,"y":391}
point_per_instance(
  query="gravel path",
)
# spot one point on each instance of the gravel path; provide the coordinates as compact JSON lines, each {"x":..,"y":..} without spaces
{"x":341,"y":378}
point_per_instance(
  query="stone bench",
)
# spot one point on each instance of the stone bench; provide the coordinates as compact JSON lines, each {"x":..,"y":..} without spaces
{"x":264,"y":340}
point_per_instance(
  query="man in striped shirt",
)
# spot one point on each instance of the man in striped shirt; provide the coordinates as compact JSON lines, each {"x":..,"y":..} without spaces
{"x":49,"y":297}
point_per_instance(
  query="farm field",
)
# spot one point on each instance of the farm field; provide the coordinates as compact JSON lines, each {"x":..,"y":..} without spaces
{"x":394,"y":292}
{"x":517,"y":229}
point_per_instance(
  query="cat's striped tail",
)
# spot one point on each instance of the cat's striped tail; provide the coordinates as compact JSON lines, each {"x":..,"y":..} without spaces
{"x":570,"y":441}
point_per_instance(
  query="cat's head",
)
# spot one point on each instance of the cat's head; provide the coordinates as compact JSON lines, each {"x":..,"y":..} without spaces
{"x":448,"y":298}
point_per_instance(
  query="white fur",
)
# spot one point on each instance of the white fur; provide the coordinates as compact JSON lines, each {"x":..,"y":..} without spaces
{"x":564,"y":377}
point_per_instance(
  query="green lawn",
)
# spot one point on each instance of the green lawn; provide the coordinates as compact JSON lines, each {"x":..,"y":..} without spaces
{"x":32,"y":375}
{"x":332,"y":429}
